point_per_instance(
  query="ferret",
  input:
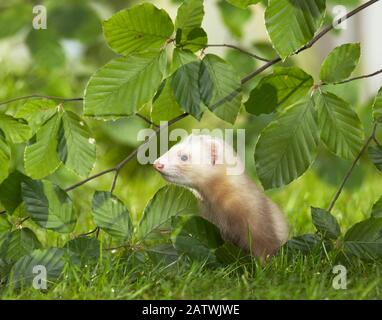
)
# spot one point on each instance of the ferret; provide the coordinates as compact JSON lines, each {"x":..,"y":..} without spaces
{"x":244,"y":215}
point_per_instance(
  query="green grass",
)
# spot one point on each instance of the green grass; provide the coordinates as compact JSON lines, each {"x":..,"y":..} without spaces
{"x":123,"y":275}
{"x":297,"y":278}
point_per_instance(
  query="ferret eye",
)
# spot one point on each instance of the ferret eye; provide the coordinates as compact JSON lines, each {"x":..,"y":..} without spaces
{"x":184,"y":157}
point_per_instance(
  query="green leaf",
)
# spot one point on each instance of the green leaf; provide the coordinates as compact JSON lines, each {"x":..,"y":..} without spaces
{"x":180,"y":58}
{"x":77,"y":149}
{"x":18,"y":243}
{"x":138,"y":29}
{"x":189,"y":34}
{"x":111,"y":215}
{"x":304,"y":244}
{"x":85,"y":248}
{"x":364,"y":239}
{"x":195,"y":237}
{"x":228,"y":254}
{"x":240,"y":62}
{"x":37,"y":112}
{"x":192,"y":40}
{"x":75,"y":20}
{"x":287,"y":146}
{"x":5,"y":158}
{"x":24,"y":270}
{"x":168,"y":202}
{"x":45,"y":48}
{"x":347,"y":3}
{"x":281,"y":88}
{"x":124,"y":131}
{"x":265,"y":49}
{"x":377,"y":106}
{"x":234,"y":18}
{"x":220,"y":87}
{"x":325,"y":223}
{"x":124,"y":85}
{"x":14,"y":17}
{"x":165,"y":106}
{"x":340,"y":63}
{"x":376,"y":211}
{"x":243,"y":3}
{"x":341,"y":129}
{"x":10,"y":191}
{"x":164,"y":252}
{"x":15,"y":130}
{"x":185,"y":82}
{"x":49,"y":206}
{"x":291,"y":24}
{"x":190,"y":15}
{"x":5,"y":225}
{"x":375,"y":155}
{"x":41,"y":158}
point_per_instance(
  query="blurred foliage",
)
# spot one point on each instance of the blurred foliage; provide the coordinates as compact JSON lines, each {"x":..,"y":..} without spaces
{"x":234,"y":17}
{"x":77,"y":48}
{"x":60,"y":60}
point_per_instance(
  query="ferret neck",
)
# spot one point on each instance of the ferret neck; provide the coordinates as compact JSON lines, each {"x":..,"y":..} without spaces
{"x":215,"y":185}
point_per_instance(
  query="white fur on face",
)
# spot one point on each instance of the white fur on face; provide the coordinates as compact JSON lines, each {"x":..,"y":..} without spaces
{"x":194,"y":156}
{"x":179,"y":163}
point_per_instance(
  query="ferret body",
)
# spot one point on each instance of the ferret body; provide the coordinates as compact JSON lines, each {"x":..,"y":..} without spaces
{"x":242,"y":212}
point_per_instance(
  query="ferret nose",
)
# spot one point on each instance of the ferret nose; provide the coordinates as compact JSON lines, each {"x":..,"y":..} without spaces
{"x":158,"y":166}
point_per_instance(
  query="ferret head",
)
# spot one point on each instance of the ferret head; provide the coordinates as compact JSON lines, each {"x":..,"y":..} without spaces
{"x":195,"y":159}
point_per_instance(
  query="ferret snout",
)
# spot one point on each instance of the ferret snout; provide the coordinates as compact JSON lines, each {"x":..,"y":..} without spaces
{"x":158,"y":166}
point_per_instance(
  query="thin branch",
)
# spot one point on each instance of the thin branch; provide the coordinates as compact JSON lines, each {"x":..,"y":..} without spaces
{"x":120,"y":165}
{"x":355,"y":78}
{"x":18,"y":224}
{"x":41,"y":96}
{"x":80,"y":183}
{"x":3,"y":212}
{"x":131,"y":156}
{"x":238,"y":49}
{"x":260,"y":70}
{"x":34,"y":96}
{"x":350,"y":171}
{"x":267,"y":65}
{"x":122,"y":246}
{"x":323,"y":32}
{"x":114,"y":183}
{"x":25,"y":219}
{"x":119,"y":247}
{"x":147,"y":120}
{"x":330,"y":27}
{"x":376,"y":141}
{"x":89,"y":233}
